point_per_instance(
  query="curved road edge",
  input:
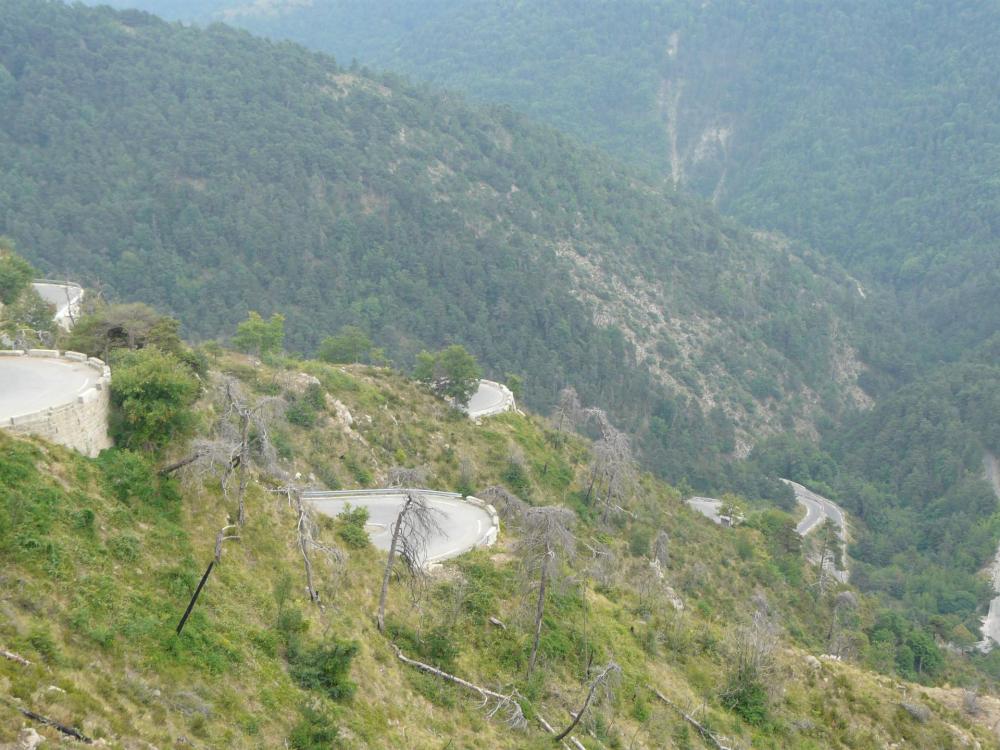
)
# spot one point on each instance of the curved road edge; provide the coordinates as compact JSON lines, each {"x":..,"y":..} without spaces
{"x":490,"y":398}
{"x":819,"y":509}
{"x":442,"y":501}
{"x":81,"y":421}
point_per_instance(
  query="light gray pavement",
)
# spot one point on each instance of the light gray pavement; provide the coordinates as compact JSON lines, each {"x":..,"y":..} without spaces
{"x":65,"y":297}
{"x":489,"y":399}
{"x":708,"y":507}
{"x":819,"y":509}
{"x":31,"y":384}
{"x":486,"y":398}
{"x":464,"y":525}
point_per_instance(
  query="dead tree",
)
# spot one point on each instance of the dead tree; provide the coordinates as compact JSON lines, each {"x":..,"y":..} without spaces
{"x":546,"y":536}
{"x":604,"y":681}
{"x":508,"y":505}
{"x":307,"y":532}
{"x":506,"y":705}
{"x":612,"y":464}
{"x":717,"y":741}
{"x":413,"y":526}
{"x":403,"y":476}
{"x":253,"y":422}
{"x":661,"y":548}
{"x":568,"y":411}
{"x":220,"y":538}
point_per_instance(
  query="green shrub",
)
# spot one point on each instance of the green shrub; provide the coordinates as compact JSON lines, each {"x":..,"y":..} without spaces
{"x":351,"y":529}
{"x":301,"y":413}
{"x":152,"y":393}
{"x":124,"y":548}
{"x":325,"y":667}
{"x":314,"y":731}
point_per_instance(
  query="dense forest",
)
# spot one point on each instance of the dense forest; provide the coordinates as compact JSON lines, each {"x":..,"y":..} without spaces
{"x":208,"y":173}
{"x":205,"y":172}
{"x":866,"y":130}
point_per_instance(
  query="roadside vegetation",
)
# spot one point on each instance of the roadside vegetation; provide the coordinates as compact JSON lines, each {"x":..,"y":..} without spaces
{"x":645,"y":603}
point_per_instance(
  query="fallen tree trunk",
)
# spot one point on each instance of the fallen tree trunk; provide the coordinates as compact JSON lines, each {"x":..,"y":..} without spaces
{"x":68,"y":731}
{"x":168,"y":470}
{"x":506,"y":703}
{"x":551,"y":730}
{"x":10,"y":655}
{"x":707,"y":734}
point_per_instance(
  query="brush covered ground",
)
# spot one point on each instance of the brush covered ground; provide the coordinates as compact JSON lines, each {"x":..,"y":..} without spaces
{"x":100,"y":557}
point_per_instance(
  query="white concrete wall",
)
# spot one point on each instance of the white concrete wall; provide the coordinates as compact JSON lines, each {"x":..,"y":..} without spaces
{"x":82,"y":422}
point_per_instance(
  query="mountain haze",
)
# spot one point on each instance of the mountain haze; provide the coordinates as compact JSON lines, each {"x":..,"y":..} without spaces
{"x":867,"y":130}
{"x":206,"y":171}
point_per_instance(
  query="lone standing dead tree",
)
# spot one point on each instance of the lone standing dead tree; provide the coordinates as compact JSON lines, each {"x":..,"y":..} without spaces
{"x":413,"y":526}
{"x":220,"y":538}
{"x":612,"y":465}
{"x":250,"y":417}
{"x":545,"y":537}
{"x":605,"y":681}
{"x":307,"y":532}
{"x":568,"y":411}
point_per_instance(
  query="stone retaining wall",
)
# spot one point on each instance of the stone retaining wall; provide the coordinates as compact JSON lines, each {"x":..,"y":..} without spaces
{"x":82,"y":422}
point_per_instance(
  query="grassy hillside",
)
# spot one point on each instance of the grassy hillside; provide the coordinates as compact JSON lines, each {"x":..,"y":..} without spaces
{"x":205,"y":172}
{"x":100,"y":558}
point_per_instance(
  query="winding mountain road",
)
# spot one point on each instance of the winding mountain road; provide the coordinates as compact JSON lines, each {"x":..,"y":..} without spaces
{"x":463,"y":525}
{"x":818,"y":509}
{"x":65,"y":296}
{"x":490,"y":398}
{"x":32,"y":384}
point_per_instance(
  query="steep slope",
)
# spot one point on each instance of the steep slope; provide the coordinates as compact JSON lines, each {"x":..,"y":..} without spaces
{"x":206,"y":172}
{"x":101,"y":557}
{"x":866,"y":130}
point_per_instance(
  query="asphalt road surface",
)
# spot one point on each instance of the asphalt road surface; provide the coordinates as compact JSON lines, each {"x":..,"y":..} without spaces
{"x":463,"y":525}
{"x":818,"y":508}
{"x":485,"y":398}
{"x":707,"y":506}
{"x":55,"y":294}
{"x":30,"y":384}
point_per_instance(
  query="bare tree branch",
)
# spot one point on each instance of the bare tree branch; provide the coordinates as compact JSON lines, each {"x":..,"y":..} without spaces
{"x":506,"y":705}
{"x":413,"y":526}
{"x":545,"y":536}
{"x":604,"y":679}
{"x":715,"y":740}
{"x":508,"y":505}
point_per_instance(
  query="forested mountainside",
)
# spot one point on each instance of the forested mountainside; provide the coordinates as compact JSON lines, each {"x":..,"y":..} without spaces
{"x":910,"y":471}
{"x":206,"y":171}
{"x":100,"y":557}
{"x":867,"y":130}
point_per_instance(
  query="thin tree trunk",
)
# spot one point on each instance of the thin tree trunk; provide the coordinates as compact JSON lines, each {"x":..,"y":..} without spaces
{"x":244,"y":460}
{"x":539,"y":609}
{"x":167,"y":470}
{"x":704,"y":731}
{"x":586,"y":703}
{"x":593,"y":478}
{"x":380,"y":617}
{"x":304,"y":548}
